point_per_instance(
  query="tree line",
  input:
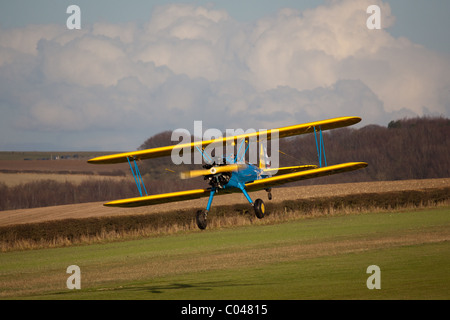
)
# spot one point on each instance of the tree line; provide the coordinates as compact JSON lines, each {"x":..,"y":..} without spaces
{"x":417,"y":148}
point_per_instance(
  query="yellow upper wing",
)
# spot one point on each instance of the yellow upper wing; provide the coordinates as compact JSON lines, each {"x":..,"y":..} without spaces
{"x":282,"y":133}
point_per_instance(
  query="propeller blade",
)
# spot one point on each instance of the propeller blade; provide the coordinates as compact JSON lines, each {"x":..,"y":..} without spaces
{"x":213,"y":170}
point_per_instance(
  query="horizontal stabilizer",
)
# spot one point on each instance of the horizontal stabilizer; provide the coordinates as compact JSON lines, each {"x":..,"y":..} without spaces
{"x":286,"y":170}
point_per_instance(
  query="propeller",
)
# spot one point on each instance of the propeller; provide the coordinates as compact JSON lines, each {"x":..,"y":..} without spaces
{"x":210,"y":171}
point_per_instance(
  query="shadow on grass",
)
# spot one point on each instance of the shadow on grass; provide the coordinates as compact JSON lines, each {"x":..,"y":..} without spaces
{"x":166,"y":288}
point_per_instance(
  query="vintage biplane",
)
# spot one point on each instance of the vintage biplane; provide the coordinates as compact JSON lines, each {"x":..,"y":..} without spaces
{"x":233,"y":173}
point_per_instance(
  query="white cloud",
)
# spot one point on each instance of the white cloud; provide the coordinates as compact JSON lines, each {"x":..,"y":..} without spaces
{"x":196,"y":63}
{"x":85,"y":61}
{"x":126,"y":33}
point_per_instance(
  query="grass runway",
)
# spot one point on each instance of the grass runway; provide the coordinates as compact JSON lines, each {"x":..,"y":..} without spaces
{"x":316,"y":258}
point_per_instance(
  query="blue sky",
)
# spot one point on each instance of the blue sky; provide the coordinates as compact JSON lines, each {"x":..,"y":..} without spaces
{"x":140,"y":67}
{"x":423,"y":21}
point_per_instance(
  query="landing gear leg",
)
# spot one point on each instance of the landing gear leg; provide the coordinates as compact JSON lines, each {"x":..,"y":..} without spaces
{"x":258,"y":205}
{"x":269,"y":193}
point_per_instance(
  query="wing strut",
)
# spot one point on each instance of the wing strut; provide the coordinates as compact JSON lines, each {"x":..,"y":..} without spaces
{"x":242,"y":187}
{"x":320,"y":147}
{"x":204,"y":155}
{"x":137,"y":177}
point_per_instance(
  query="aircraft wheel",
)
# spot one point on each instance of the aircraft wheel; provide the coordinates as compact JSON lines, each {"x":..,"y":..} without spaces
{"x":201,"y":219}
{"x":260,"y":209}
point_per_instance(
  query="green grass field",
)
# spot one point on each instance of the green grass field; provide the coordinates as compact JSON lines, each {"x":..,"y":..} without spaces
{"x":316,"y":258}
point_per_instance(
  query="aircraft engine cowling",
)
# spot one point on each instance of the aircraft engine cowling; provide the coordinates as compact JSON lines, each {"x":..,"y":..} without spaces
{"x":216,"y":175}
{"x":218,"y":180}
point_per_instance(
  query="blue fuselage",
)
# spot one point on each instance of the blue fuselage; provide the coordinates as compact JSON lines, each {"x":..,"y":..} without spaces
{"x":246,"y":174}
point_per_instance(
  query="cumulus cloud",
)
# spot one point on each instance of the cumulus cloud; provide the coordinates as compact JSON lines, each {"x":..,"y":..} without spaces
{"x":126,"y":81}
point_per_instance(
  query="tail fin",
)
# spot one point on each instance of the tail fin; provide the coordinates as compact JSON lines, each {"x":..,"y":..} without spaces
{"x":264,"y":161}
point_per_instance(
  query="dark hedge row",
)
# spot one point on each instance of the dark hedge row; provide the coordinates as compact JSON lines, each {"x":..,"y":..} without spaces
{"x":75,"y":229}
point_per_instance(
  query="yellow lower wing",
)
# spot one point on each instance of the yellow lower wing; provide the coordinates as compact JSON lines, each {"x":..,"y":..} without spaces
{"x":251,"y":186}
{"x":303,"y":175}
{"x":159,"y":198}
